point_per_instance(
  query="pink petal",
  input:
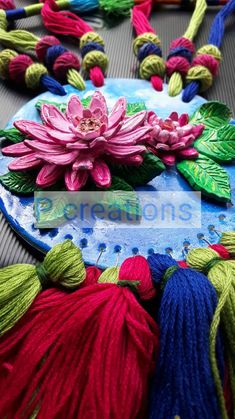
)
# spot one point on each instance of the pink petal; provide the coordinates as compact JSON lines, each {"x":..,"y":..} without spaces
{"x":61,"y":137}
{"x":132,"y":160}
{"x":111,"y":132}
{"x":174,"y":116}
{"x":62,"y":159}
{"x":44,"y":147}
{"x":178,"y":146}
{"x":98,"y":101}
{"x":185,"y":130}
{"x":74,"y":109}
{"x":156,"y":131}
{"x":75,"y":180}
{"x":85,"y":136}
{"x":54,"y":118}
{"x":98,"y":142}
{"x":168,"y":159}
{"x":134,"y":136}
{"x":183,"y":119}
{"x":101,"y":174}
{"x":198,"y":130}
{"x":133,"y":122}
{"x":189,"y":153}
{"x":117,"y":113}
{"x":16,"y":150}
{"x":79,"y":145}
{"x":163,"y":147}
{"x":48,"y":175}
{"x":83,"y":164}
{"x":25,"y":163}
{"x":33,"y":130}
{"x":188,"y":140}
{"x":122,"y":151}
{"x":173,"y":138}
{"x":163,"y":136}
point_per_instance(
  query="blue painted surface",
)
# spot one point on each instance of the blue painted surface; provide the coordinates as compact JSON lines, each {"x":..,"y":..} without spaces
{"x":19,"y":210}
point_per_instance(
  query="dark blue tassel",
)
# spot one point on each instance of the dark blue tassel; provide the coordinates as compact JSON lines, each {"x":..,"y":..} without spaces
{"x":48,"y":83}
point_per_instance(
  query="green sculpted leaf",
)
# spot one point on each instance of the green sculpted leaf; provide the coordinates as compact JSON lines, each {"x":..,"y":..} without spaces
{"x":22,"y":183}
{"x":12,"y":134}
{"x":218,"y":144}
{"x":151,"y":167}
{"x":204,"y":175}
{"x":212,"y":114}
{"x":133,"y":108}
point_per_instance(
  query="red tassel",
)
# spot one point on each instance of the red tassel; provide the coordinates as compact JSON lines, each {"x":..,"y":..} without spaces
{"x":63,"y":22}
{"x":140,"y":16}
{"x":88,"y":354}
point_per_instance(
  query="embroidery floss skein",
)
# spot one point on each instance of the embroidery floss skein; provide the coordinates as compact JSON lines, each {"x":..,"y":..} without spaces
{"x":101,"y":325}
{"x":184,"y":384}
{"x":182,"y":50}
{"x":221,"y":272}
{"x":63,"y":63}
{"x":22,"y":70}
{"x":7,"y":4}
{"x":147,"y":46}
{"x":205,"y":65}
{"x":95,"y":61}
{"x":20,"y":284}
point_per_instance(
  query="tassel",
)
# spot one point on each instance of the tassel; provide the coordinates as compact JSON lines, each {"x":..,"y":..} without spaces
{"x":220,"y":270}
{"x":20,"y":284}
{"x":63,"y":63}
{"x":21,"y":70}
{"x":183,"y":385}
{"x":88,"y":354}
{"x":95,"y":61}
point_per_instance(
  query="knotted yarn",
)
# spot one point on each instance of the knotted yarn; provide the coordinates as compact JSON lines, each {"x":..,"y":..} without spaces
{"x":183,"y":385}
{"x":20,"y":284}
{"x":204,"y":67}
{"x":64,"y":64}
{"x":88,"y":352}
{"x":182,"y":50}
{"x":95,"y":61}
{"x":147,"y":46}
{"x":7,"y":4}
{"x":220,"y":270}
{"x":21,"y":69}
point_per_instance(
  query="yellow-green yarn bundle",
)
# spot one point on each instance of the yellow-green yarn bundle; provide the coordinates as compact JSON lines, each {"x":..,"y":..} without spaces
{"x":145,"y":38}
{"x":152,"y":65}
{"x":75,"y":79}
{"x":5,"y":58}
{"x":201,"y":74}
{"x":221,"y":273}
{"x":228,"y":241}
{"x":109,"y":276}
{"x":93,"y":59}
{"x":33,"y":75}
{"x":212,"y":50}
{"x":20,"y":284}
{"x":91,"y":37}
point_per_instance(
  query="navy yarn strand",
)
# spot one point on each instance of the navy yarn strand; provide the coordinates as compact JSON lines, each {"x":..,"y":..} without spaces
{"x":215,"y":38}
{"x":48,"y":83}
{"x":52,"y":54}
{"x":183,"y":383}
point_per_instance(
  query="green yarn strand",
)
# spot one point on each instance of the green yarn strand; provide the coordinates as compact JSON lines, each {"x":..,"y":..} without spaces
{"x":120,"y":7}
{"x":5,"y":57}
{"x":20,"y":40}
{"x":20,"y":284}
{"x":33,"y":75}
{"x":228,"y":241}
{"x":175,"y":84}
{"x":75,"y":79}
{"x":196,"y":19}
{"x":109,"y":276}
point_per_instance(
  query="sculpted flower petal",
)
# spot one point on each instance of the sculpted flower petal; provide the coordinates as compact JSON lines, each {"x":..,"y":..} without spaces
{"x":188,"y":140}
{"x":122,"y":151}
{"x":133,"y":136}
{"x":25,"y":163}
{"x":44,"y":147}
{"x":198,"y":130}
{"x":178,"y":146}
{"x":61,"y":159}
{"x":81,"y":145}
{"x":83,"y":164}
{"x":183,"y":119}
{"x":33,"y":130}
{"x":168,"y":159}
{"x":48,"y":175}
{"x":118,"y":112}
{"x":98,"y":101}
{"x":74,"y":179}
{"x":54,"y":118}
{"x":174,"y":116}
{"x":15,"y":150}
{"x":101,"y":174}
{"x":74,"y":109}
{"x":133,"y":122}
{"x":189,"y":153}
{"x":61,"y":137}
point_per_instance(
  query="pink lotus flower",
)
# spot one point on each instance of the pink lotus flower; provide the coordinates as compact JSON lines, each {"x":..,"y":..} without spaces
{"x":80,"y":142}
{"x":173,"y":137}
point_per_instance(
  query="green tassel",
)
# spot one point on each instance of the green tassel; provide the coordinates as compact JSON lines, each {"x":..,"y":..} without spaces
{"x":20,"y":284}
{"x":121,"y":7}
{"x":20,"y":40}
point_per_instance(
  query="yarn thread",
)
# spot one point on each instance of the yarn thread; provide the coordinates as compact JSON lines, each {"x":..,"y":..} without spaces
{"x":95,"y":61}
{"x":21,"y":69}
{"x":147,"y":46}
{"x":222,"y":275}
{"x":206,"y":63}
{"x":182,"y":50}
{"x":183,"y":385}
{"x":20,"y":284}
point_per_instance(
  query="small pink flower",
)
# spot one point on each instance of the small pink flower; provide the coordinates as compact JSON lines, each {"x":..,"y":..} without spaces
{"x":7,"y":4}
{"x":173,"y":137}
{"x":80,"y":143}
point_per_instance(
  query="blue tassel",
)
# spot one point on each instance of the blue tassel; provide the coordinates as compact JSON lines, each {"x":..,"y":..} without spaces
{"x":183,"y":384}
{"x":53,"y":86}
{"x":83,"y":6}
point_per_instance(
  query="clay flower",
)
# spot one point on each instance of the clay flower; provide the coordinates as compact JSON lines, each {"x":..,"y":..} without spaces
{"x":80,"y":142}
{"x":172,"y":139}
